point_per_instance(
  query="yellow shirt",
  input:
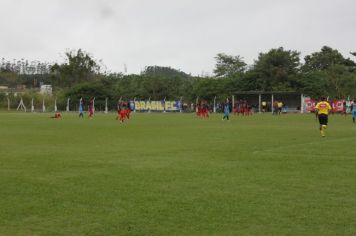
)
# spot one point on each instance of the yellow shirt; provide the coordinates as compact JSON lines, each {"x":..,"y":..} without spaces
{"x":323,"y":107}
{"x":280,"y":104}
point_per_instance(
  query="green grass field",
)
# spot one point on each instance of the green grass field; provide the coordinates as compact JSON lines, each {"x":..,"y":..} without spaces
{"x":175,"y":174}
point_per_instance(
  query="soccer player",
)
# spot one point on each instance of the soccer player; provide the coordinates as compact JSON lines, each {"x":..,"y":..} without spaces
{"x":128,"y":110}
{"x":122,"y":114}
{"x":91,"y":108}
{"x":226,"y":109}
{"x":264,"y":106}
{"x":81,"y":108}
{"x":57,"y":115}
{"x":199,"y":109}
{"x":244,"y":107}
{"x":249,"y":110}
{"x":353,"y":109}
{"x":275,"y":107}
{"x":344,"y":108}
{"x":205,"y":110}
{"x":323,"y":108}
{"x":280,"y":106}
{"x":348,"y":106}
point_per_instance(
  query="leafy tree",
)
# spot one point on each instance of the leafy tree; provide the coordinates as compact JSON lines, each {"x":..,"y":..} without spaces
{"x":164,"y":71}
{"x":8,"y":79}
{"x":339,"y":81}
{"x":314,"y":84}
{"x":328,"y":73}
{"x":79,"y":67}
{"x":324,"y":59}
{"x":229,"y":66}
{"x":275,"y":70}
{"x":159,"y":82}
{"x":208,"y":88}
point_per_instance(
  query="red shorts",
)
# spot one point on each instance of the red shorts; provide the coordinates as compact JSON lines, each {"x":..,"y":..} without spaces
{"x":122,"y":114}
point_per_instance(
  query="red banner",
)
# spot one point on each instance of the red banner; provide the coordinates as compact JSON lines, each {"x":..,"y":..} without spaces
{"x":309,"y":105}
{"x":337,"y":105}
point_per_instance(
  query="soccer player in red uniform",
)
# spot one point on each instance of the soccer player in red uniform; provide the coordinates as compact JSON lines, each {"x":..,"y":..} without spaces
{"x":122,"y":114}
{"x":128,"y":110}
{"x":344,"y":108}
{"x":244,"y":108}
{"x":205,"y":110}
{"x":199,"y":111}
{"x":123,"y":111}
{"x":91,"y":108}
{"x":57,"y":115}
{"x":236,"y":108}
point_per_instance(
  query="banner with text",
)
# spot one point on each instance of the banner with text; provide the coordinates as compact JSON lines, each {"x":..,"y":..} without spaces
{"x":309,"y":104}
{"x":336,"y":105}
{"x":159,"y":106}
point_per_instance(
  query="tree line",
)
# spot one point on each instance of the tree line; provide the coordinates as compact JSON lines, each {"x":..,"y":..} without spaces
{"x":323,"y":73}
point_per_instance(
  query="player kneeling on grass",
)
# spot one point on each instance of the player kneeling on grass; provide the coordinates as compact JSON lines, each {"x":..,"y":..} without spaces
{"x":323,"y":108}
{"x":57,"y":115}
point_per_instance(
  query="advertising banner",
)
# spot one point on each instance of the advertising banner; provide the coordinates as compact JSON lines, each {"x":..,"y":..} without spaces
{"x":157,"y":106}
{"x":309,"y":104}
{"x":337,"y":105}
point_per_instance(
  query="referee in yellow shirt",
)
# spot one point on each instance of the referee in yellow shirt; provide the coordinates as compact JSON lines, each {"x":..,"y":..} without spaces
{"x":322,"y":109}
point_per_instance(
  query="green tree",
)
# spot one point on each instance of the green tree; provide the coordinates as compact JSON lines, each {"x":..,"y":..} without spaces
{"x":314,"y":84}
{"x":78,"y":67}
{"x":324,"y":59}
{"x":328,"y":73}
{"x":276,"y":70}
{"x":208,"y":88}
{"x":229,"y":66}
{"x":163,"y":71}
{"x":341,"y":82}
{"x":159,"y":82}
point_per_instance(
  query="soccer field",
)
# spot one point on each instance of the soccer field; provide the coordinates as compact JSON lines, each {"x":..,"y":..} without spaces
{"x":176,"y":174}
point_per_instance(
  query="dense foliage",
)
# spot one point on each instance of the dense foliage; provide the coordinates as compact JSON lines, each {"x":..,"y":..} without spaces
{"x":323,"y":73}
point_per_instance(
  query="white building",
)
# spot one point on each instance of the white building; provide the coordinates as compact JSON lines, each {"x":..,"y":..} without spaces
{"x":46,"y":89}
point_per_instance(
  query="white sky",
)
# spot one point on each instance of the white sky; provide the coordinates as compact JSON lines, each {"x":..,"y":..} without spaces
{"x":183,"y":34}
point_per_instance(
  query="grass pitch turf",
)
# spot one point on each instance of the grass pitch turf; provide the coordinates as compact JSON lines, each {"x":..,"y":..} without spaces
{"x":175,"y":174}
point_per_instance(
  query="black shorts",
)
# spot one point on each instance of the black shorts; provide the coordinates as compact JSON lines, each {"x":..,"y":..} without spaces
{"x":323,"y":119}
